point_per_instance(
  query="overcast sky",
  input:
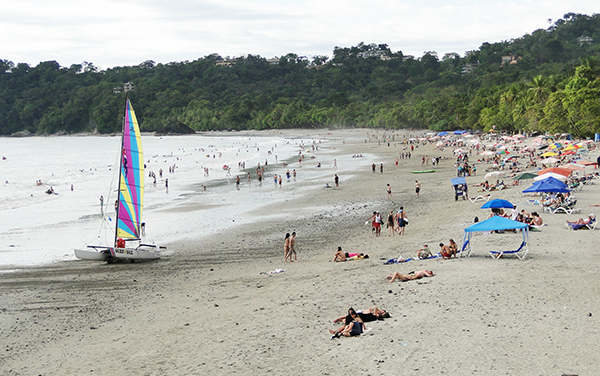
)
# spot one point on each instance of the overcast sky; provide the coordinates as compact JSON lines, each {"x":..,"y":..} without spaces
{"x":112,"y":33}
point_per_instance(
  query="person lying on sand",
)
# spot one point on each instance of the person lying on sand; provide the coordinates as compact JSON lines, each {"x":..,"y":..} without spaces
{"x":354,"y":328}
{"x":412,"y":275}
{"x":366,"y":315}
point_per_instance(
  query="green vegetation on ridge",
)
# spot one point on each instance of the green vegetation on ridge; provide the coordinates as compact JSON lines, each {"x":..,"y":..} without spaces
{"x":544,"y":81}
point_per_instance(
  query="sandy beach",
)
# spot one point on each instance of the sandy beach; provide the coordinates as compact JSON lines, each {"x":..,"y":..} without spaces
{"x":210,"y":307}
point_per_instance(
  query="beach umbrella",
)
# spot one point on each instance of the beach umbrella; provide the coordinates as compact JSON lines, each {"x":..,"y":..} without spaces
{"x":459,"y":132}
{"x":555,"y":145}
{"x":549,"y":154}
{"x":550,"y":174}
{"x":525,"y":176}
{"x":550,"y":160}
{"x":557,"y":170}
{"x":573,"y":167}
{"x":568,"y":152}
{"x":504,"y":152}
{"x":486,"y":153}
{"x":494,"y":174}
{"x":586,"y":163}
{"x":497,"y":204}
{"x":545,"y":186}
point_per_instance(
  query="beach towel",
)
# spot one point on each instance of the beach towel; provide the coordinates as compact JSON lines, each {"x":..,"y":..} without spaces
{"x":402,"y":260}
{"x":276,"y":271}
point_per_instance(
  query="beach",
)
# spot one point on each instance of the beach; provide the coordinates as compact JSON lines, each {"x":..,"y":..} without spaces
{"x":210,"y":306}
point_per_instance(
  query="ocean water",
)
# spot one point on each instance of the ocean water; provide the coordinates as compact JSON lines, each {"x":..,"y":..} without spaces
{"x":38,"y":228}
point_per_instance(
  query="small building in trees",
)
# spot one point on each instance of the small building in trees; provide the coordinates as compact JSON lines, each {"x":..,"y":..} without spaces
{"x":469,"y":67}
{"x":584,"y":40}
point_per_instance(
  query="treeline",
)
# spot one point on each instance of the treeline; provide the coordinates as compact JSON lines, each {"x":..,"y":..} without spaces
{"x":546,"y":81}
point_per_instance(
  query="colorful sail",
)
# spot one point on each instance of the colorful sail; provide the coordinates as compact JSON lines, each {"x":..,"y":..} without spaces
{"x":131,"y":185}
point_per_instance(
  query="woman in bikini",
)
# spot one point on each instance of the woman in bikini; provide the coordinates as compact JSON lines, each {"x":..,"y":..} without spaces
{"x":286,"y":248}
{"x":410,"y":276}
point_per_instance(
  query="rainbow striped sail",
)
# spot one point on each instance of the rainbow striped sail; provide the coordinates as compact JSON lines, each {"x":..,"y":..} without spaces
{"x":131,"y":184}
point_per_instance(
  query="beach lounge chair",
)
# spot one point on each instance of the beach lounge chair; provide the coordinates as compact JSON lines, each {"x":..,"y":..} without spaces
{"x":562,"y":209}
{"x":589,"y":226}
{"x":519,"y":252}
{"x":465,"y":250}
{"x":536,"y":228}
{"x":483,"y":198}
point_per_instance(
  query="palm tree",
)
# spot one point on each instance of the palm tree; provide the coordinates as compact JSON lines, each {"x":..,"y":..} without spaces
{"x":539,"y":89}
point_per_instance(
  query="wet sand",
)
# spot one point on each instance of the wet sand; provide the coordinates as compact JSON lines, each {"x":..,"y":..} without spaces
{"x":207,"y":307}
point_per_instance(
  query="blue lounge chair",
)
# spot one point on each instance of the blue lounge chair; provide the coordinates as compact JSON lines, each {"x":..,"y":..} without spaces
{"x":519,"y":252}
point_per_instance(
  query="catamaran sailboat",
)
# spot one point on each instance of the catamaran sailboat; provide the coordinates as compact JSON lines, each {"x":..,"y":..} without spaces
{"x":129,"y":203}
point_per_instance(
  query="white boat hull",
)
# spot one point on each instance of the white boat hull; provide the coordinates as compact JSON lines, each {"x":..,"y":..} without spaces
{"x":109,"y":254}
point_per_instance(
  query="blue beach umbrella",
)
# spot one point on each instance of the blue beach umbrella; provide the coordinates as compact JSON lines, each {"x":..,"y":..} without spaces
{"x":442,"y":133}
{"x":547,"y":185}
{"x":497,"y":203}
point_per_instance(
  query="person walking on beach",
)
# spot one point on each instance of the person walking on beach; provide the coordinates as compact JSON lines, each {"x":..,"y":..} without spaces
{"x":286,"y":248}
{"x":101,"y":204}
{"x":373,"y":167}
{"x":417,"y":187}
{"x":167,"y":184}
{"x":390,"y":223}
{"x":389,"y":192}
{"x":381,"y":168}
{"x":401,"y":215}
{"x":292,"y":250}
{"x":337,"y":180}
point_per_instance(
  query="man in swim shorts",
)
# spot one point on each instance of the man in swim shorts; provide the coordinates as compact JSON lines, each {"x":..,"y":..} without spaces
{"x":417,"y":187}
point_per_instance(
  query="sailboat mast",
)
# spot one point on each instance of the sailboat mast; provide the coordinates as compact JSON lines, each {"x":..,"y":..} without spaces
{"x":118,"y":206}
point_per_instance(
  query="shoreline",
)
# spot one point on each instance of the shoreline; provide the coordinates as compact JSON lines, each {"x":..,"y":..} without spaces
{"x":208,"y":308}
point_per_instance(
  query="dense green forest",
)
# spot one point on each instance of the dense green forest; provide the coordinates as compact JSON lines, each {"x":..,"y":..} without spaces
{"x":547,"y":81}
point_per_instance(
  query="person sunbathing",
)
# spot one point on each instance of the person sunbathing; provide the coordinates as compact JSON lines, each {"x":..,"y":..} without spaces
{"x":354,"y":328}
{"x":453,"y":247}
{"x":582,"y":221}
{"x":366,"y":315}
{"x":446,"y":251}
{"x":339,"y":255}
{"x":424,"y":253}
{"x":536,"y":220}
{"x":410,"y":276}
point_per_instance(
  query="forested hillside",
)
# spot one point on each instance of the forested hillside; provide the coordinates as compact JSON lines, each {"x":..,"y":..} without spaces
{"x":545,"y":81}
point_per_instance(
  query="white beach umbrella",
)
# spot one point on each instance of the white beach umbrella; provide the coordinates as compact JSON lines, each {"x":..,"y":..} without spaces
{"x":487,"y":153}
{"x":550,"y":160}
{"x":550,"y":174}
{"x":494,"y":174}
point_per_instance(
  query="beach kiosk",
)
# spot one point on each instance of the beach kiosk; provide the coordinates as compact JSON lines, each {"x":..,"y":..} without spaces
{"x":497,"y":223}
{"x":460,"y":187}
